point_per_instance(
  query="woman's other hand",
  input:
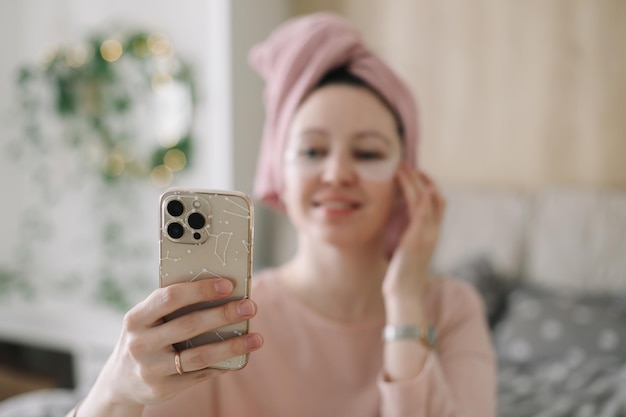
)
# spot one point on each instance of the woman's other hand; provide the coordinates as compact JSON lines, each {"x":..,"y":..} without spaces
{"x":409,"y":268}
{"x":408,"y":274}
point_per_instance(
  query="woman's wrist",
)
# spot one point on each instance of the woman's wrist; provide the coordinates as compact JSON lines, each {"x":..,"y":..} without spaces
{"x":405,"y":285}
{"x":102,"y":401}
{"x":92,"y":406}
{"x":405,"y":310}
{"x":404,"y":357}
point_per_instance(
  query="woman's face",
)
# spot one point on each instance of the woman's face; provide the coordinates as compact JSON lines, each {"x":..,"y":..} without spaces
{"x":341,"y":159}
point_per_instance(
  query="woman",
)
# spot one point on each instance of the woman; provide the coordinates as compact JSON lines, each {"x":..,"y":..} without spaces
{"x":338,"y":155}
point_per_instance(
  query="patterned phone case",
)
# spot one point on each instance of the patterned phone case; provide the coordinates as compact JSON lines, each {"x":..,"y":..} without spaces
{"x":207,"y":234}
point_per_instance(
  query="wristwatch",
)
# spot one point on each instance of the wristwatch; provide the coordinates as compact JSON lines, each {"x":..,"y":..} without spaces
{"x":426,"y":334}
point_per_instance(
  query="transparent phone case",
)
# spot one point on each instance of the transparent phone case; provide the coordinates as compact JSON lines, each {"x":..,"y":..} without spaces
{"x":207,"y":234}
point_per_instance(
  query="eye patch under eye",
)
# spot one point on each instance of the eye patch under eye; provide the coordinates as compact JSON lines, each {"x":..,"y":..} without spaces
{"x":370,"y":165}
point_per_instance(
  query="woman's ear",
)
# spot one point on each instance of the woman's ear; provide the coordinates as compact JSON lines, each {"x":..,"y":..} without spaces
{"x":398,"y":195}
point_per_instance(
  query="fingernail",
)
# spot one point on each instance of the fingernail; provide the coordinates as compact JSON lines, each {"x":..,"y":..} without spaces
{"x":253,"y":341}
{"x":223,"y":286}
{"x":245,"y":308}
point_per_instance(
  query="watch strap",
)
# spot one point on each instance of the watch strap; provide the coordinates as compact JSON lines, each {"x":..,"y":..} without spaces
{"x":426,"y":334}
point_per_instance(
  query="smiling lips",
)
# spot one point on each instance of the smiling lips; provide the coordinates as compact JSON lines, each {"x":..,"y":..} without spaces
{"x":336,"y":206}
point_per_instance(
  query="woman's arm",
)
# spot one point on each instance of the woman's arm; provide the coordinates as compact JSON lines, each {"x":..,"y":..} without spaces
{"x":457,"y":378}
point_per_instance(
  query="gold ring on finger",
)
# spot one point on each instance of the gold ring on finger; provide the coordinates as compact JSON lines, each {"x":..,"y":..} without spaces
{"x":179,"y":366}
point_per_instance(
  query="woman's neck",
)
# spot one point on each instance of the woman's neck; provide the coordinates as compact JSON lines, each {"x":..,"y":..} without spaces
{"x":343,"y":284}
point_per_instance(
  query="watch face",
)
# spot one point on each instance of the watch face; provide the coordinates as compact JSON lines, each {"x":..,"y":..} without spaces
{"x":425,"y":334}
{"x":431,"y":335}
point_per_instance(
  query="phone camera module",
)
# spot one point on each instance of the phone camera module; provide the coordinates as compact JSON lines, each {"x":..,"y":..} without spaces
{"x":175,"y":230}
{"x":175,"y":208}
{"x":196,"y":221}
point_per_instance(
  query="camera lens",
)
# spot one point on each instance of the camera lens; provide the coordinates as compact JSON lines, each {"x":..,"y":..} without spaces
{"x":175,"y":208}
{"x":175,"y":230}
{"x":196,"y":221}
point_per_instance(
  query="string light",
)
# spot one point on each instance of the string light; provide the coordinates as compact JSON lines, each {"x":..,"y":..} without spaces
{"x":111,"y":50}
{"x":161,"y":176}
{"x":114,"y":164}
{"x":169,"y":140}
{"x":175,"y":160}
{"x":158,"y":43}
{"x":76,"y":57}
{"x":48,"y":57}
{"x":160,"y":79}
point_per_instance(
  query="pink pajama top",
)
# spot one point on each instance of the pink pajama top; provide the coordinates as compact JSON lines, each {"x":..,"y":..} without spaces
{"x":313,"y":366}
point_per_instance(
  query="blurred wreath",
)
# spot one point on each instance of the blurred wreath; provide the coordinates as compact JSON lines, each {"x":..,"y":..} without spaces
{"x":125,"y":101}
{"x":94,"y":123}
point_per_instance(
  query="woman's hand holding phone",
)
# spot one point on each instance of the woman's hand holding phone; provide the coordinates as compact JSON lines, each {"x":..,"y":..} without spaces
{"x":142,"y":368}
{"x":196,"y":325}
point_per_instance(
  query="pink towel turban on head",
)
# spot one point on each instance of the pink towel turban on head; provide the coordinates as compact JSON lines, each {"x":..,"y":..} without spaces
{"x":292,"y":60}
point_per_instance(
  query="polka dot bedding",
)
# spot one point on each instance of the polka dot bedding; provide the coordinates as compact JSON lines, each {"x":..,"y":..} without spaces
{"x":562,"y":356}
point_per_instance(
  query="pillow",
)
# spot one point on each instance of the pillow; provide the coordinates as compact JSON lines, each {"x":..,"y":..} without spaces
{"x":494,"y":290}
{"x":541,"y":325}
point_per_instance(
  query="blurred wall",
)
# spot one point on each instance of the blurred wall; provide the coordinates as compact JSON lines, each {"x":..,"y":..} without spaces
{"x":252,"y":21}
{"x":511,"y":93}
{"x":9,"y":51}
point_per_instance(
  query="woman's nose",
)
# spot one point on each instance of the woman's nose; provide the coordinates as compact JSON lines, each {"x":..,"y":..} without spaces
{"x":339,"y":169}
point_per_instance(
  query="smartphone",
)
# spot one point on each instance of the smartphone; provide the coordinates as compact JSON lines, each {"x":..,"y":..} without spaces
{"x":207,"y":234}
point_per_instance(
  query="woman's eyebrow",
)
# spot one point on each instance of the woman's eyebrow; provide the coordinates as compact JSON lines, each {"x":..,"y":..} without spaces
{"x":312,"y":131}
{"x":374,"y":134}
